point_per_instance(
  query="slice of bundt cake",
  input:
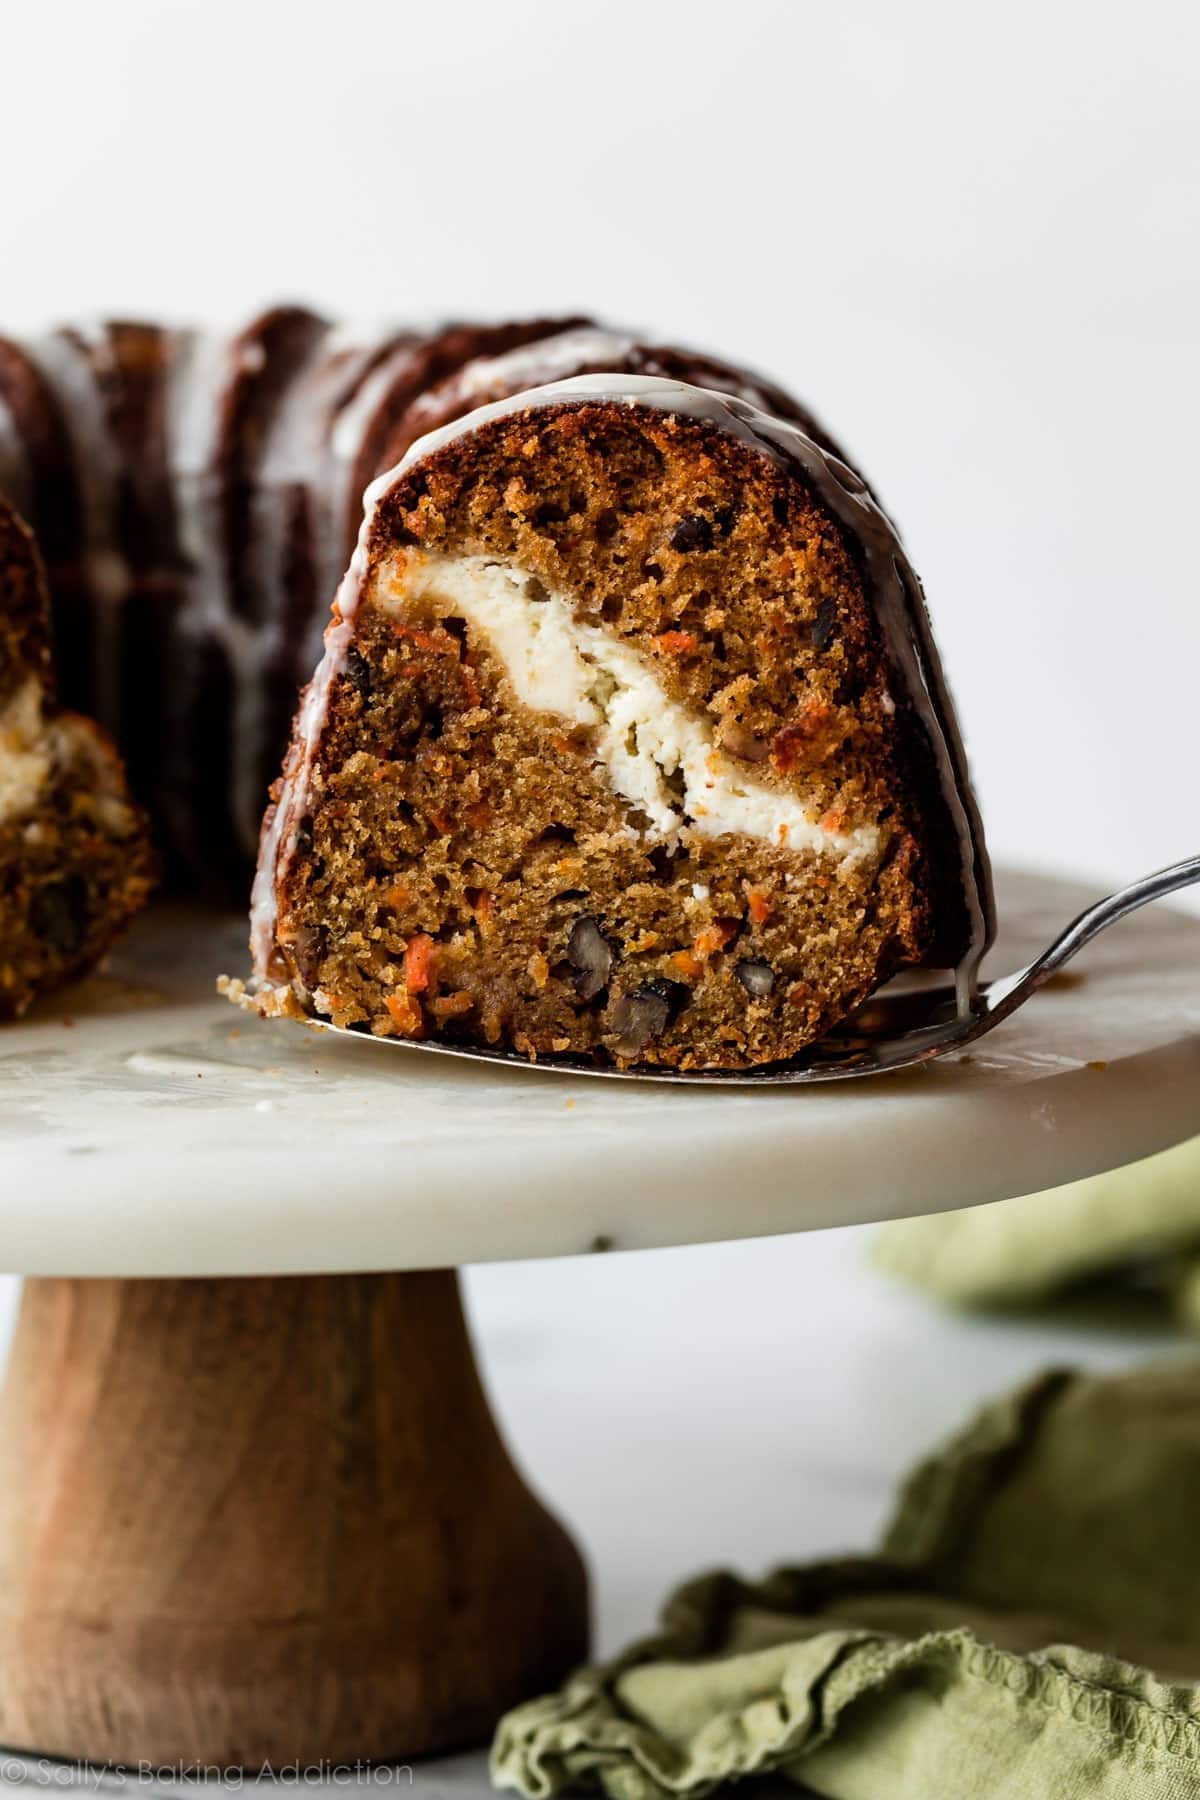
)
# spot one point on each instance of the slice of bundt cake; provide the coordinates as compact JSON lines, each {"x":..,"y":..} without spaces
{"x":75,"y":861}
{"x":629,"y":741}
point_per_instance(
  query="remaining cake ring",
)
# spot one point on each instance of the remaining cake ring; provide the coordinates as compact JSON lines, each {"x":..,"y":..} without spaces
{"x":75,"y":861}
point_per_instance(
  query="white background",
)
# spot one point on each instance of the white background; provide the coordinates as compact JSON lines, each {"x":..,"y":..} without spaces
{"x":968,"y":235}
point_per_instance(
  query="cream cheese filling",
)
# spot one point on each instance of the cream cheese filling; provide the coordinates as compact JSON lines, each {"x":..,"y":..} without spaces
{"x":26,"y":754}
{"x":34,"y":750}
{"x":659,"y":756}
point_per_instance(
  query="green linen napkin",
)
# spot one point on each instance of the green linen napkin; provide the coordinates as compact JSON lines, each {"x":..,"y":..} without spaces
{"x":1030,"y":1630}
{"x":1133,"y":1228}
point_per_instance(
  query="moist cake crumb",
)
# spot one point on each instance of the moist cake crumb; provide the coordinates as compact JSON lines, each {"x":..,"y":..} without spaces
{"x":75,"y":861}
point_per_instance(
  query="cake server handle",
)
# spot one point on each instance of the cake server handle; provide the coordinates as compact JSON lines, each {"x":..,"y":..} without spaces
{"x":1006,"y":993}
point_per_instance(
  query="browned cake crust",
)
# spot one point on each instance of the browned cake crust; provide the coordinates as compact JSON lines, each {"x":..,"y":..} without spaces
{"x":457,"y":854}
{"x":75,"y":862}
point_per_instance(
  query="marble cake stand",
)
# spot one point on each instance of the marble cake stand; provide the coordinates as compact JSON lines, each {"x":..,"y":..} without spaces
{"x":253,"y":1505}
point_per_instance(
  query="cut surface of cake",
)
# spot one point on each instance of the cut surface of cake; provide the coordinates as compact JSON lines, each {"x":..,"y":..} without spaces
{"x":75,"y":861}
{"x":629,"y":742}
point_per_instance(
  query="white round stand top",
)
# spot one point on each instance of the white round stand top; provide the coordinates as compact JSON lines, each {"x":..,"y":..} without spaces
{"x":147,"y":1128}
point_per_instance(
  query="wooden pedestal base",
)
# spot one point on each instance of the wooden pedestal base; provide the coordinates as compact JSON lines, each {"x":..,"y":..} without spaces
{"x":265,"y":1520}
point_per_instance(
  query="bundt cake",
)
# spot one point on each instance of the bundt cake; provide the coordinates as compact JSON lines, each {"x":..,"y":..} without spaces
{"x":629,"y":740}
{"x":75,"y":860}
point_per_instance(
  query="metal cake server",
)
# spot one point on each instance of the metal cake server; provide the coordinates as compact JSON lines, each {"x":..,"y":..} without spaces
{"x":912,"y":1020}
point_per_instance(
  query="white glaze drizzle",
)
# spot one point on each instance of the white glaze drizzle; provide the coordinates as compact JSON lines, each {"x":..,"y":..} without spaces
{"x":552,"y":359}
{"x":345,"y":444}
{"x":895,"y":591}
{"x":16,"y":482}
{"x":200,"y":367}
{"x":532,"y":365}
{"x":68,"y":366}
{"x":296,"y":463}
{"x":289,"y":470}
